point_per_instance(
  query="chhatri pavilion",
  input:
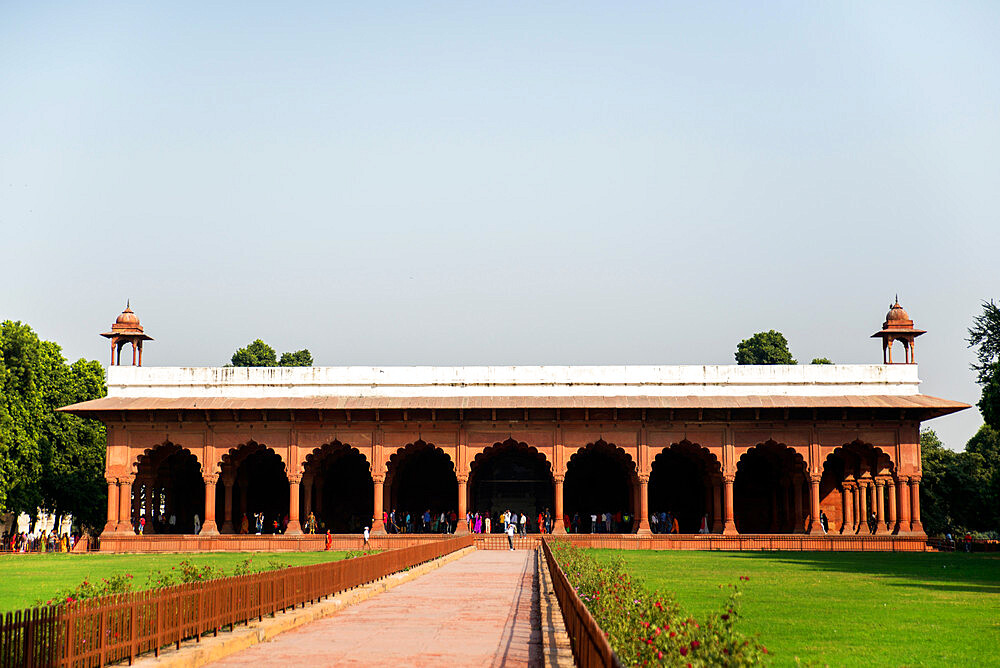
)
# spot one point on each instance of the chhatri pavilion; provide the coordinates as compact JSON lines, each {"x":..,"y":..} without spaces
{"x":755,"y":450}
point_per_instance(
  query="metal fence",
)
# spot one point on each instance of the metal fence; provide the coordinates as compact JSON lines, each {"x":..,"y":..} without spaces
{"x":107,"y":630}
{"x":590,"y":646}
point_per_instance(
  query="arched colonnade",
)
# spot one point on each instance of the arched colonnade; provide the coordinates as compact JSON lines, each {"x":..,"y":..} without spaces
{"x":858,"y":489}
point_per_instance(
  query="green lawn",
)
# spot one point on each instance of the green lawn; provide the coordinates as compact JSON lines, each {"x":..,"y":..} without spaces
{"x":28,"y":578}
{"x":845,"y":608}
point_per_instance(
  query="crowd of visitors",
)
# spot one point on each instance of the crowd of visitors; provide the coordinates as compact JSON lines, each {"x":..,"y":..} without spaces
{"x":41,"y":542}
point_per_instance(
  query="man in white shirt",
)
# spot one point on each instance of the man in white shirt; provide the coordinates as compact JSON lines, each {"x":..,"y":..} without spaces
{"x":510,"y":536}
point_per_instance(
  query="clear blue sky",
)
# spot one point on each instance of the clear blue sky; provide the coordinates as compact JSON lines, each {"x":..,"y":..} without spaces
{"x":503,"y":183}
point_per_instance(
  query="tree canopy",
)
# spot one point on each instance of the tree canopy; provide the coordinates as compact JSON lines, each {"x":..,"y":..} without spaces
{"x":47,"y":459}
{"x":821,"y":360}
{"x":769,"y":347}
{"x":259,"y":353}
{"x":960,"y":490}
{"x":984,"y":336}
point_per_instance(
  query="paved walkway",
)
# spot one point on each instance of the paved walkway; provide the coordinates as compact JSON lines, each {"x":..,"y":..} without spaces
{"x":481,"y":610}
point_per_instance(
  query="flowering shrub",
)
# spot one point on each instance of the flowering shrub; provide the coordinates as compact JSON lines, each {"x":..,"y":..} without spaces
{"x":648,"y":627}
{"x":185,"y":572}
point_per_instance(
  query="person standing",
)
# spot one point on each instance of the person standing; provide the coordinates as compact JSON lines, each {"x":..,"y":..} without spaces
{"x":197,"y":524}
{"x":366,"y":537}
{"x":524,"y":524}
{"x":329,"y":539}
{"x":510,"y":536}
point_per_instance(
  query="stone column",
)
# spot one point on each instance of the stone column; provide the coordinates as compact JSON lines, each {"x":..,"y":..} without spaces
{"x":916,"y":526}
{"x":378,"y":525}
{"x":717,"y":505}
{"x":800,"y":525}
{"x":880,"y":506}
{"x":463,"y":508}
{"x":862,"y":506}
{"x":904,"y":505}
{"x":847,"y":501}
{"x":558,"y":525}
{"x":892,"y":519}
{"x":294,"y":526}
{"x":125,"y":505}
{"x":227,"y":518}
{"x":643,"y":529}
{"x":209,"y":526}
{"x":728,"y":525}
{"x":814,"y":525}
{"x":111,"y":525}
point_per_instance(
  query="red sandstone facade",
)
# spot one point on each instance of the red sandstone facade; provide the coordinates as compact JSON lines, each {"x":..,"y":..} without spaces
{"x":750,"y":464}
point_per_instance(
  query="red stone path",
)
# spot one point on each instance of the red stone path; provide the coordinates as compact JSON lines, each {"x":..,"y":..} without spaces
{"x":481,"y":610}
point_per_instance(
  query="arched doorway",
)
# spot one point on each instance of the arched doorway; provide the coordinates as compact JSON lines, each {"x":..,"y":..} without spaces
{"x":169,"y":490}
{"x":511,"y":476}
{"x":421,"y":477}
{"x":337,"y":487}
{"x":683,"y":483}
{"x":260,"y":487}
{"x":855,"y":476}
{"x":600,"y":478}
{"x":770,"y":491}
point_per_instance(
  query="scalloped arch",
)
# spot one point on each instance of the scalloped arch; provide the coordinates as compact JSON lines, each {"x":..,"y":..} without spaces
{"x":773,"y":445}
{"x":238,"y":454}
{"x":700,"y":452}
{"x":853,"y":449}
{"x":508,"y":445}
{"x":416,"y":445}
{"x":600,"y":445}
{"x":147,"y":455}
{"x":317,"y":455}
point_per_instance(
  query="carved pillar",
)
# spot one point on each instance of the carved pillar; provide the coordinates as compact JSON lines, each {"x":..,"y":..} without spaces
{"x":800,"y":525}
{"x":294,"y":526}
{"x":814,"y":526}
{"x":880,"y":506}
{"x":891,"y":493}
{"x":209,"y":527}
{"x":916,"y":526}
{"x":847,"y":492}
{"x":378,"y":525}
{"x":904,"y":505}
{"x":111,"y":525}
{"x":728,"y":525}
{"x":125,"y":505}
{"x":644,"y":506}
{"x":559,"y":525}
{"x":227,"y":518}
{"x":463,"y":508}
{"x":862,"y":506}
{"x":717,"y":505}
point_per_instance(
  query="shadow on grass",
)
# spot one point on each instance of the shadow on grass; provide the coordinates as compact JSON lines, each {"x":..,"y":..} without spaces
{"x":953,"y":571}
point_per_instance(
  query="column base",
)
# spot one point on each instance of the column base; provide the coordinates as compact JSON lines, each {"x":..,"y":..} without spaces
{"x":729,"y":529}
{"x":815,"y":530}
{"x":378,"y":528}
{"x":227,"y":527}
{"x":209,"y":528}
{"x":294,"y":528}
{"x":558,"y":527}
{"x":124,"y":528}
{"x":462,"y":528}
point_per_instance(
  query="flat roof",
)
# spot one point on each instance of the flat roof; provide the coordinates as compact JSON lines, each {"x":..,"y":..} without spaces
{"x":469,"y":387}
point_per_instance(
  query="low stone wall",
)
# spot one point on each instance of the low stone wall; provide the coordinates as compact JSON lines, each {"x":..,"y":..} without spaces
{"x":317,"y":543}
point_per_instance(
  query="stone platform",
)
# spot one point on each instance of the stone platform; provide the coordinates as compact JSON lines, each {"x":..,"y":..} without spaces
{"x":316,"y":543}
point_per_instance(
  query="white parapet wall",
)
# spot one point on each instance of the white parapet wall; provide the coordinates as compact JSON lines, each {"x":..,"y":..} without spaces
{"x":499,"y":381}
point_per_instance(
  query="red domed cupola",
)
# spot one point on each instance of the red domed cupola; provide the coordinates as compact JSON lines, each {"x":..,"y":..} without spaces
{"x":898,"y":326}
{"x":126,"y":329}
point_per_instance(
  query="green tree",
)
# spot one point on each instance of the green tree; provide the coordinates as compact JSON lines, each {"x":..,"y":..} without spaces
{"x":257,"y":353}
{"x":764,"y":348}
{"x":821,"y":360}
{"x":986,"y":444}
{"x":47,"y":459}
{"x":955,"y":491}
{"x":984,"y":336}
{"x":298,"y":358}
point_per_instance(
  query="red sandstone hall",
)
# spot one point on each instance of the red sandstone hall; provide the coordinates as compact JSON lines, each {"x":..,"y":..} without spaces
{"x":756,"y":452}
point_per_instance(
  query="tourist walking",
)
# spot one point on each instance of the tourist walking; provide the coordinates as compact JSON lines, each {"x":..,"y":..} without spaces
{"x":510,"y":536}
{"x":366,"y":537}
{"x":704,"y":524}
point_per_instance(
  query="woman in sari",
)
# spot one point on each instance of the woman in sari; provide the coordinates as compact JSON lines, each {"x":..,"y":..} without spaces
{"x":244,"y":524}
{"x":479,"y":523}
